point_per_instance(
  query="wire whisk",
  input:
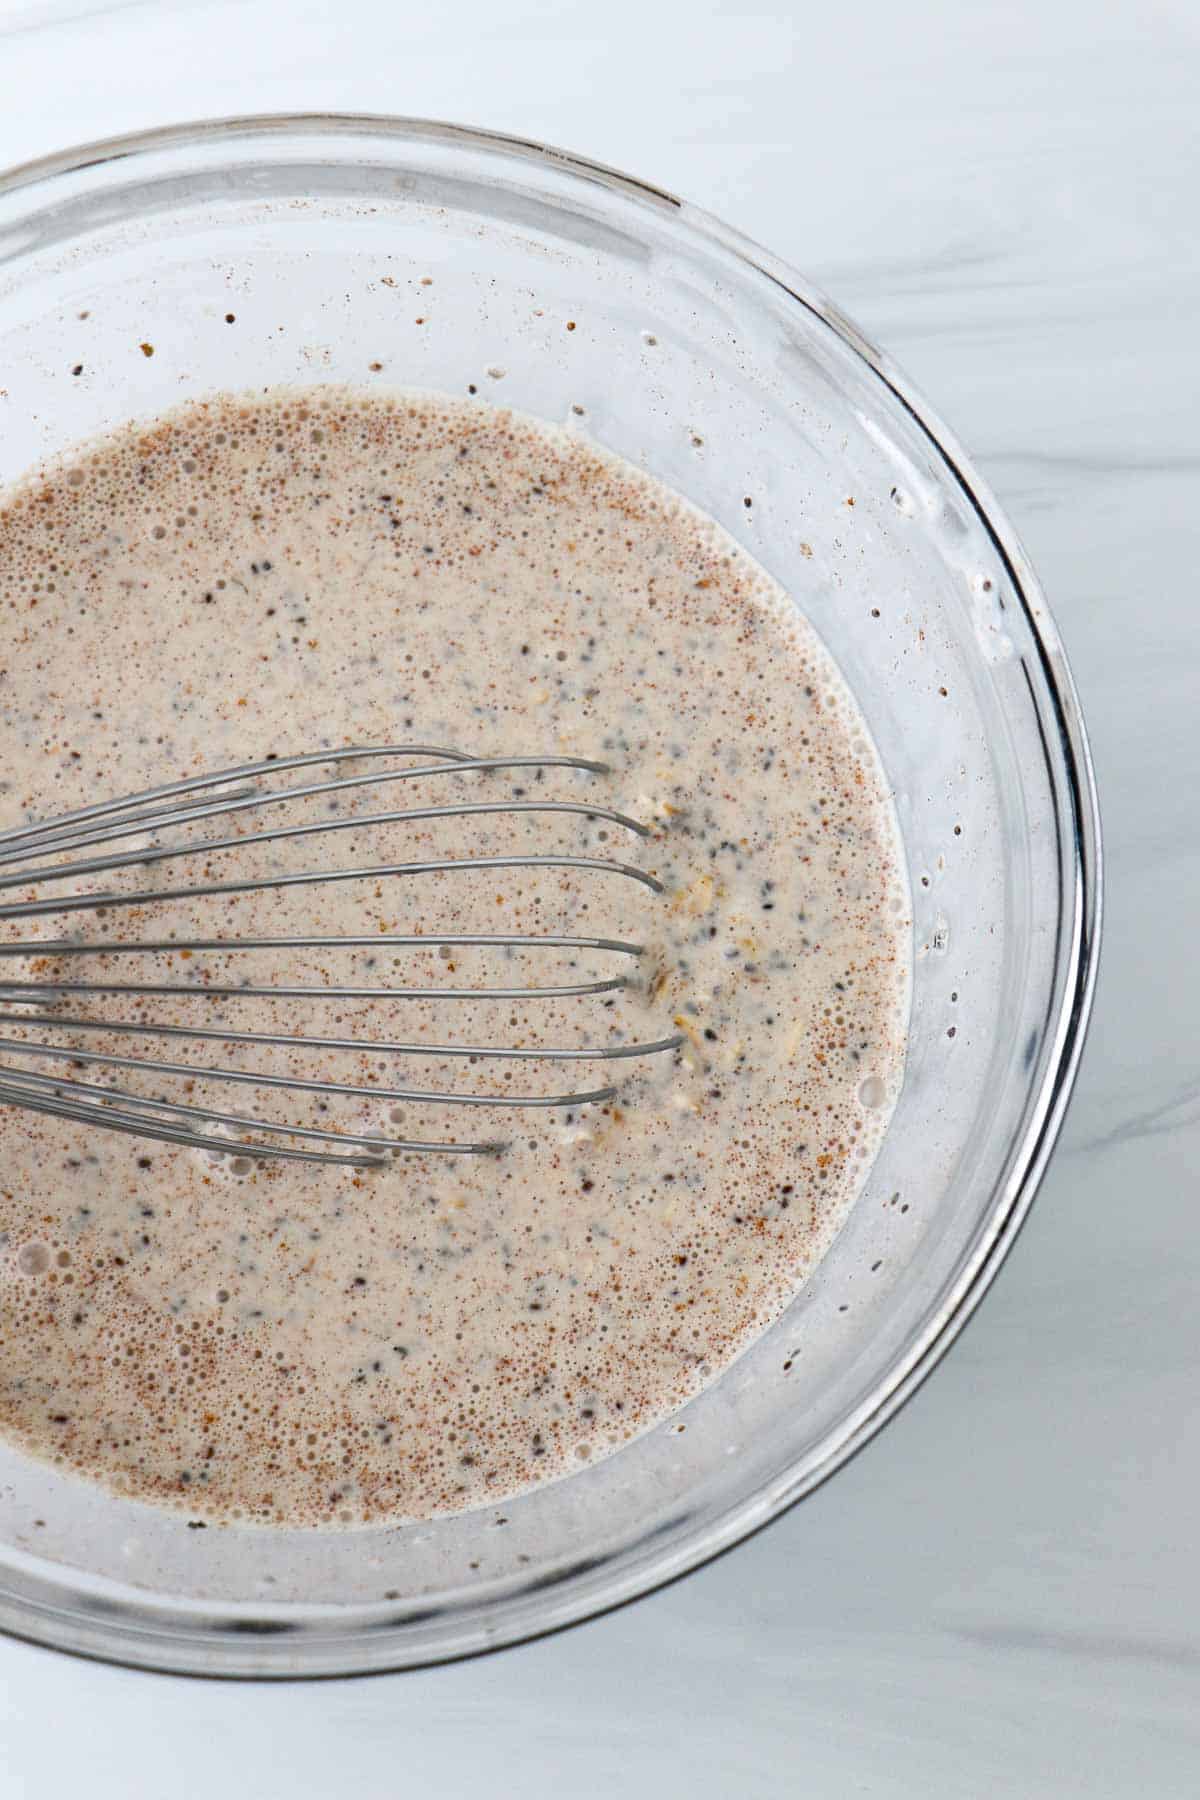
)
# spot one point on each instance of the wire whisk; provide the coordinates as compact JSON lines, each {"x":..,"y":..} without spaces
{"x":203,"y":820}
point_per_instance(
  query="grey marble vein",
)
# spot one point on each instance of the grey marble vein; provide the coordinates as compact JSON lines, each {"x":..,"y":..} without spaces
{"x":29,"y":19}
{"x":1183,"y":1654}
{"x":1175,"y":1112}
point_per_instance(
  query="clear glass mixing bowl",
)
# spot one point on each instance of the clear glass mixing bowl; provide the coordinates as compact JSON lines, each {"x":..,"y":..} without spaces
{"x":700,"y":357}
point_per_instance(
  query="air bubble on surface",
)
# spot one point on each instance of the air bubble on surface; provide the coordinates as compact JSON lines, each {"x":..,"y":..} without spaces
{"x":990,"y":632}
{"x":872,"y":1092}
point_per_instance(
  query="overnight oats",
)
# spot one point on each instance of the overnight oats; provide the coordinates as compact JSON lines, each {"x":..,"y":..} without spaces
{"x":293,"y":1344}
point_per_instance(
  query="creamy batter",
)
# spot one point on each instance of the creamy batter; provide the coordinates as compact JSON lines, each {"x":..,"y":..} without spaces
{"x":306,"y":570}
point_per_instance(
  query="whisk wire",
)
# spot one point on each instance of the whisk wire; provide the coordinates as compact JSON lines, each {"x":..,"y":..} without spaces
{"x":157,"y":812}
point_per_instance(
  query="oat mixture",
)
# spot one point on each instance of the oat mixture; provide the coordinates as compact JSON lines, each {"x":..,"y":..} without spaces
{"x":308,"y":570}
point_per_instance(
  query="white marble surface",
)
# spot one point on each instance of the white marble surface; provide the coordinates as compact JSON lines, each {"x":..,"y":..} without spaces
{"x":1001,"y":1597}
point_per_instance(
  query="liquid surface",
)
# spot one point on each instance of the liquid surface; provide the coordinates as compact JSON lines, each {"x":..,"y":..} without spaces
{"x":294,"y":1344}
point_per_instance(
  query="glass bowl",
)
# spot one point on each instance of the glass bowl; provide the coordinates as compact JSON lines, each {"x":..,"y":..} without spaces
{"x":701,"y":358}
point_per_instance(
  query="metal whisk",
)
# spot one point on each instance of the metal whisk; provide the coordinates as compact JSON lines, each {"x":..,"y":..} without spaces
{"x":161,"y":822}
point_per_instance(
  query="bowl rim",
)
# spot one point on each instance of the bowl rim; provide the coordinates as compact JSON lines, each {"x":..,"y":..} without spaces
{"x":112,"y":1639}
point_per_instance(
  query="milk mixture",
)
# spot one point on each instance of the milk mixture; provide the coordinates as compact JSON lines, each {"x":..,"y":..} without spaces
{"x":270,"y":1341}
